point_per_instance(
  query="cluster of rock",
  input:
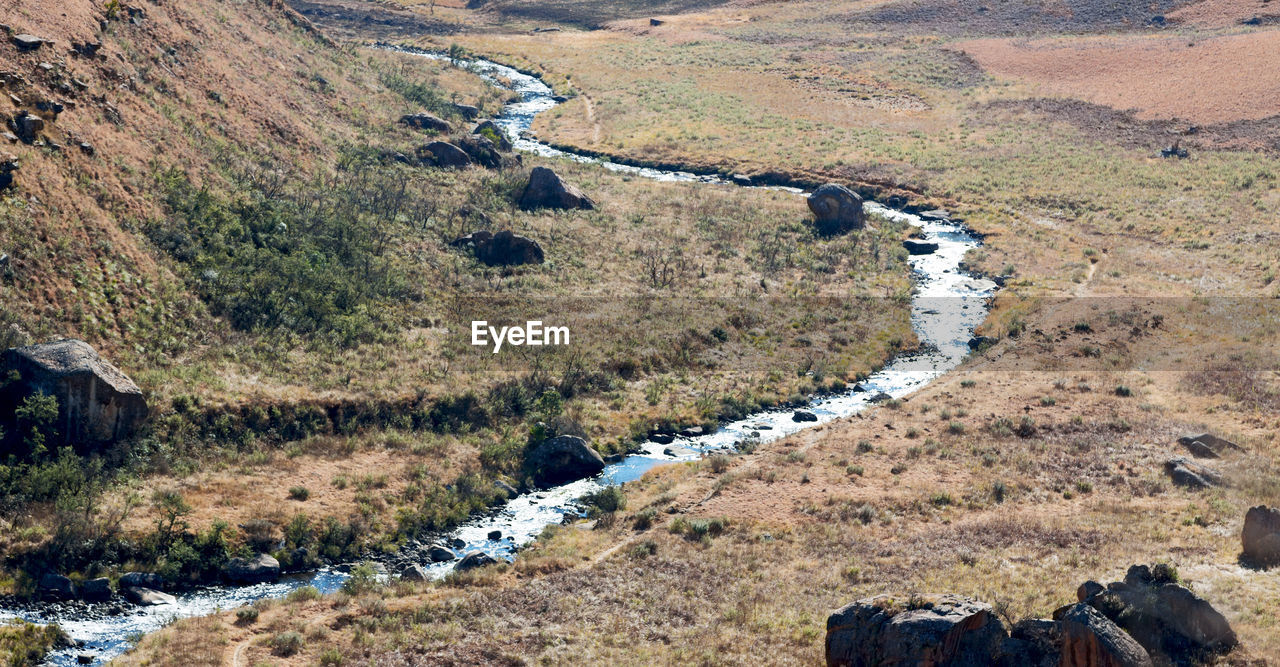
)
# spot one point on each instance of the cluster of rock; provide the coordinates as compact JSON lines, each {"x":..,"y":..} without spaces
{"x":487,"y":144}
{"x":97,"y":403}
{"x":140,"y":588}
{"x":1193,"y":474}
{"x":1147,"y":619}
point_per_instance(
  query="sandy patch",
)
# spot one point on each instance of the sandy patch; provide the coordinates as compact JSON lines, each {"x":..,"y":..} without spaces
{"x":1218,"y":79}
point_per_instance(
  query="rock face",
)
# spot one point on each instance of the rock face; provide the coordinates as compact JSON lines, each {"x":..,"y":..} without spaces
{"x":27,"y":126}
{"x":1188,"y":473}
{"x":494,"y":133}
{"x":934,"y":630}
{"x":1171,"y":623}
{"x":444,"y":154}
{"x":473,"y":560}
{"x":562,"y":459}
{"x":96,"y":402}
{"x":1090,"y":640}
{"x":837,"y":209}
{"x":1034,"y":642}
{"x":252,"y":570}
{"x":915,"y":247}
{"x":547,"y":190}
{"x":426,"y":121}
{"x":1261,"y":536}
{"x":501,"y":249}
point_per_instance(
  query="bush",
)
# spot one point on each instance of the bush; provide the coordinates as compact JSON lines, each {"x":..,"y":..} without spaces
{"x":247,"y":615}
{"x":718,"y":463}
{"x":608,"y":500}
{"x":645,"y":518}
{"x":286,"y":644}
{"x":331,"y":658}
{"x":364,"y":579}
{"x":304,"y":594}
{"x":299,"y":493}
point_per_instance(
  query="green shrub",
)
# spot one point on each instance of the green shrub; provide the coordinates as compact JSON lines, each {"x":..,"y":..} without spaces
{"x":299,"y":493}
{"x":286,"y":644}
{"x":608,"y":500}
{"x":247,"y":615}
{"x":364,"y":579}
{"x":303,"y":594}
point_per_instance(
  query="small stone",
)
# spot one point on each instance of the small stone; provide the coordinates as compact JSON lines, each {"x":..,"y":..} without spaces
{"x":26,"y":42}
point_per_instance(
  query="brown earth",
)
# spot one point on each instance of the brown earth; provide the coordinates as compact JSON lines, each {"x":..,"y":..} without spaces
{"x":1211,"y":79}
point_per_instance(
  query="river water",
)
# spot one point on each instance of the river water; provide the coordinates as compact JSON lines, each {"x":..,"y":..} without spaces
{"x":947,"y":305}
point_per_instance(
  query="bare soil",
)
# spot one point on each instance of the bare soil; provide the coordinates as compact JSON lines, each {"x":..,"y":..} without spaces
{"x":1033,"y":17}
{"x":356,"y":19}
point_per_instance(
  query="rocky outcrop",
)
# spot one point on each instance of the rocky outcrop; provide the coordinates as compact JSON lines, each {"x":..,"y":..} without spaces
{"x":493,"y":132}
{"x":483,"y":152}
{"x":836,"y":209}
{"x":1089,"y":639}
{"x":96,"y":402}
{"x":1261,"y":536}
{"x":930,"y":630}
{"x":26,"y":42}
{"x":562,"y":459}
{"x":426,"y":121}
{"x":1034,"y":642}
{"x":547,"y":190}
{"x":501,"y":249}
{"x":443,"y":154}
{"x":1173,"y":624}
{"x":252,"y":570}
{"x":27,"y":126}
{"x":982,"y":342}
{"x":1188,"y":473}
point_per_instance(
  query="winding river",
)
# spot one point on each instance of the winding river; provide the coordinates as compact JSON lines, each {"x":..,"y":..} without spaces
{"x":947,"y":306}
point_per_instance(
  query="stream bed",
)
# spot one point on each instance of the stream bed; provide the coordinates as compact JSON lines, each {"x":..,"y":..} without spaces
{"x":947,"y":306}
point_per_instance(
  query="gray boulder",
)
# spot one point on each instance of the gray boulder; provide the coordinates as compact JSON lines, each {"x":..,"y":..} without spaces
{"x":1035,"y":642}
{"x":483,"y":151}
{"x":145,"y":597}
{"x":547,"y":190}
{"x":96,"y":402}
{"x":915,"y":247}
{"x":494,"y":133}
{"x":96,"y":590}
{"x":26,"y":42}
{"x":473,"y":560}
{"x":8,"y":165}
{"x":54,"y":586}
{"x":142,"y":580}
{"x":501,"y":249}
{"x":466,"y":110}
{"x":254,"y":570}
{"x":426,"y":121}
{"x":1261,"y":536}
{"x":443,"y":154}
{"x":804,"y":416}
{"x":836,"y":209}
{"x":562,"y":459}
{"x":1188,"y":473}
{"x":929,"y":630}
{"x":1207,"y":445}
{"x":414,"y":573}
{"x":440,"y":554}
{"x":981,"y":342}
{"x":1089,"y":639}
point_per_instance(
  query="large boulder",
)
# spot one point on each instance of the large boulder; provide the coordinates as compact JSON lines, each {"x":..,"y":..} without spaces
{"x":1170,"y":622}
{"x":915,"y":247}
{"x":473,"y":560}
{"x":26,"y":42}
{"x":27,"y":126}
{"x":1188,"y":473}
{"x":493,"y":132}
{"x":146,"y":597}
{"x":439,"y":553}
{"x":1207,"y":445}
{"x":1261,"y":536}
{"x":501,"y":249}
{"x":1089,"y":639}
{"x":142,"y":580}
{"x":483,"y":151}
{"x":414,"y":572}
{"x":252,"y":570}
{"x":467,"y":111}
{"x":837,"y":209}
{"x":443,"y":154}
{"x":54,"y":586}
{"x":1034,"y":642}
{"x":563,"y":458}
{"x":547,"y":190}
{"x":426,"y":121}
{"x":932,"y":630}
{"x":96,"y":590}
{"x":96,"y":402}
